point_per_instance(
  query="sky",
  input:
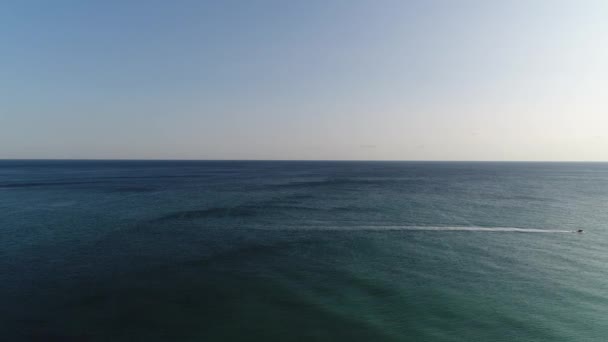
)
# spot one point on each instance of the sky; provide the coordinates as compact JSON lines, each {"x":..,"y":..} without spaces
{"x":331,"y":79}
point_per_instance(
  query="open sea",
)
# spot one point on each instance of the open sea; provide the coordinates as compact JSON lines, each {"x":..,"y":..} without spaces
{"x":303,"y":251}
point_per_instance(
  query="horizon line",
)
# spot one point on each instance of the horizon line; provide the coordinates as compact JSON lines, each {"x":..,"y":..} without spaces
{"x":310,"y":160}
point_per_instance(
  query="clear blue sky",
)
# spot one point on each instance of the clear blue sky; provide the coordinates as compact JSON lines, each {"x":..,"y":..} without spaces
{"x":423,"y":80}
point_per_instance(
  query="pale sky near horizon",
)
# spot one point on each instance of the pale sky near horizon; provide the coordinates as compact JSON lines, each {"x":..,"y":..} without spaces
{"x":376,"y":79}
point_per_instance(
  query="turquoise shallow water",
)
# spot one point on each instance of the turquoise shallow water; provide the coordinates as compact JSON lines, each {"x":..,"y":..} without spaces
{"x":301,"y":251}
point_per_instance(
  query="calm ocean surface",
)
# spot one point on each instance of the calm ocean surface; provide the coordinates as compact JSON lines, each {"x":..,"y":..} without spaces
{"x":303,"y":251}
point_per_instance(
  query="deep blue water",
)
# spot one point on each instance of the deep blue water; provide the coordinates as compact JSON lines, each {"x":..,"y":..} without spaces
{"x":303,"y":251}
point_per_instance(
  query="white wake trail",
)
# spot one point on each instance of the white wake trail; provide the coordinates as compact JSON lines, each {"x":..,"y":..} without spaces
{"x":476,"y":229}
{"x":439,"y":228}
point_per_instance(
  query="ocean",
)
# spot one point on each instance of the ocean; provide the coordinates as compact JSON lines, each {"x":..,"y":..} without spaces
{"x":303,"y":251}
